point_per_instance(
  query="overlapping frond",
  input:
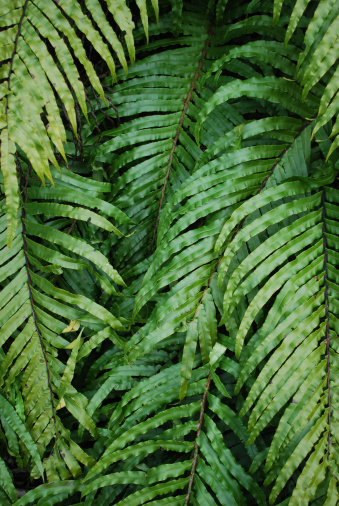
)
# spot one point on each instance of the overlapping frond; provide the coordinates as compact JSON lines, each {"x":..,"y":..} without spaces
{"x":153,"y":150}
{"x":41,"y":53}
{"x":164,"y":436}
{"x":39,"y":303}
{"x":294,"y":349}
{"x":247,"y":158}
{"x":206,"y":183}
{"x":247,"y":164}
{"x":317,"y":63}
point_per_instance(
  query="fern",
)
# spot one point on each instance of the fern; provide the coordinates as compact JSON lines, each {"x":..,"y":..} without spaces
{"x":168,"y":303}
{"x":37,"y":61}
{"x":35,"y":313}
{"x":299,"y":331}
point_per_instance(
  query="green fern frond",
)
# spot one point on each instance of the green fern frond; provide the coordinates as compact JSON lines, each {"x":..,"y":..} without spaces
{"x":34,"y":313}
{"x":168,"y":305}
{"x":161,"y":131}
{"x":318,"y":60}
{"x":7,"y":486}
{"x":293,"y":349}
{"x":172,"y":426}
{"x":39,"y":70}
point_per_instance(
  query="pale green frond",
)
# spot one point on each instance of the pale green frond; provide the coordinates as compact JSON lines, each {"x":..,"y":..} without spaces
{"x":8,"y":168}
{"x":37,"y":62}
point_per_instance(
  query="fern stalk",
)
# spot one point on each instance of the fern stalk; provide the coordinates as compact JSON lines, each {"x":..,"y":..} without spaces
{"x":176,"y":138}
{"x":327,"y":336}
{"x":196,"y":446}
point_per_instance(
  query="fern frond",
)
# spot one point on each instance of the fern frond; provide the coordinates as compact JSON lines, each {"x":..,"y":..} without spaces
{"x":203,"y":184}
{"x":294,"y":348}
{"x":250,"y":157}
{"x":156,"y":147}
{"x":174,"y":429}
{"x":9,"y":494}
{"x":35,"y":313}
{"x":36,"y":77}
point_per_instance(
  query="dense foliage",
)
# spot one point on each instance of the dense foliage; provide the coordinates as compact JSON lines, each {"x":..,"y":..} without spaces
{"x":169,"y":229}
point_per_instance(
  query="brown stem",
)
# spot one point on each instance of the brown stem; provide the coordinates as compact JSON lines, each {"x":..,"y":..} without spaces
{"x":111,"y":104}
{"x":327,"y":339}
{"x":176,"y":138}
{"x":29,"y":282}
{"x":115,"y":110}
{"x":196,"y":447}
{"x":95,"y":118}
{"x":72,"y":226}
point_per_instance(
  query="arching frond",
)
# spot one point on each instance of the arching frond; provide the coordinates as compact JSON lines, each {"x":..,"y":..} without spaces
{"x":168,"y":305}
{"x":41,"y":47}
{"x":136,"y":421}
{"x":318,"y":60}
{"x":154,"y":152}
{"x":294,"y":347}
{"x":35,"y":313}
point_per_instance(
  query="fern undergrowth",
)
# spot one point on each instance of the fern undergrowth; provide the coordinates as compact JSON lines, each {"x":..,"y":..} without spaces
{"x":169,"y":252}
